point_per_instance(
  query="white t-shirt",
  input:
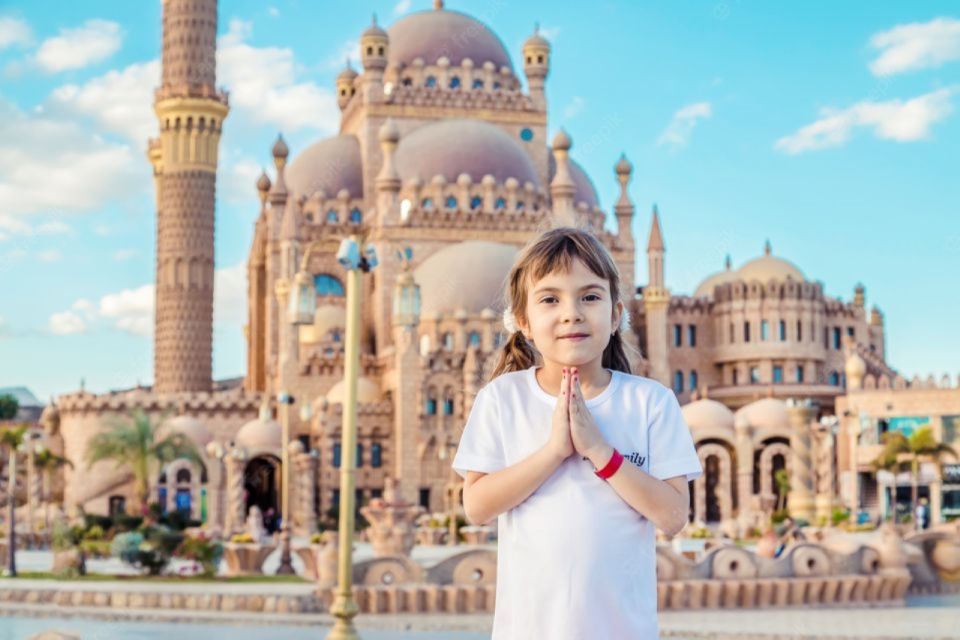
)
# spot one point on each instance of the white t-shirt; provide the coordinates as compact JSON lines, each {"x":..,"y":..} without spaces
{"x":575,"y":561}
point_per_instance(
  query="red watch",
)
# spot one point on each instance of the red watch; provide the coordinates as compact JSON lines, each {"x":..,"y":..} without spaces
{"x":611,"y":467}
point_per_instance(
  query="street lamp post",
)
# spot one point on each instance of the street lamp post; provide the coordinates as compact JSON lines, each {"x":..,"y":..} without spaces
{"x":284,"y":399}
{"x":453,"y":534}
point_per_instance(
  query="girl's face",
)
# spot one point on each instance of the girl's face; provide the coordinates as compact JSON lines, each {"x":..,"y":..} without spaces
{"x":571,"y":316}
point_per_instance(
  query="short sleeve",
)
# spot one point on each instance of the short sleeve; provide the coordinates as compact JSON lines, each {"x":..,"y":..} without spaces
{"x":481,"y":447}
{"x":670,"y":444}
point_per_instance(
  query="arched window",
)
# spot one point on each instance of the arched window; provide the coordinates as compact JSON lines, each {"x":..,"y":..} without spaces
{"x":356,"y":217}
{"x":328,"y":285}
{"x":496,"y":85}
{"x":183,"y":476}
{"x":336,"y":455}
{"x":431,"y":407}
{"x":431,"y":81}
{"x":448,"y":407}
{"x":332,"y":216}
{"x":678,"y":381}
{"x":835,"y":378}
{"x":497,"y":339}
{"x":473,"y":339}
{"x":476,"y":202}
{"x":376,"y":455}
{"x":501,"y":203}
{"x":448,"y":341}
{"x":426,"y":203}
{"x":451,"y":202}
{"x":359,"y":455}
{"x":694,"y":380}
{"x":455,"y":82}
{"x":520,"y":205}
{"x":407,"y":82}
{"x":477,"y":83}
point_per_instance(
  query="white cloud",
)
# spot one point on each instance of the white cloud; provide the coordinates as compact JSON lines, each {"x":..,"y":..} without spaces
{"x":237,"y":180}
{"x":76,"y":48}
{"x":14,"y":32}
{"x":122,"y":255}
{"x":273,"y":11}
{"x":130,"y":310}
{"x":49,"y":255}
{"x":75,"y":320}
{"x":120,"y":101}
{"x":230,"y":296}
{"x":54,"y":227}
{"x":891,"y":120}
{"x":574,"y":107}
{"x":263,"y":82}
{"x":52,"y":165}
{"x":918,"y":45}
{"x":678,"y":132}
{"x":402,"y":7}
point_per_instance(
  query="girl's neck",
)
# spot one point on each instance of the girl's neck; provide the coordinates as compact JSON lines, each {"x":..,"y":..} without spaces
{"x":593,"y":378}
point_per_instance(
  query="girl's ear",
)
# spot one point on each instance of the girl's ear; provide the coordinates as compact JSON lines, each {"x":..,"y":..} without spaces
{"x":617,"y":316}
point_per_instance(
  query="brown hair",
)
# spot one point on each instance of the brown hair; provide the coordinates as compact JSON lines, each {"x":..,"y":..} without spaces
{"x":555,"y":250}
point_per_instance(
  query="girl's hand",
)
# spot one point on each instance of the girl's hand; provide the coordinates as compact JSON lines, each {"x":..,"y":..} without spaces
{"x":560,"y":442}
{"x":586,"y":436}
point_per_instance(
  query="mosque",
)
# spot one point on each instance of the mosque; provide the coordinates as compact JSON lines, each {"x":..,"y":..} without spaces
{"x":442,"y":162}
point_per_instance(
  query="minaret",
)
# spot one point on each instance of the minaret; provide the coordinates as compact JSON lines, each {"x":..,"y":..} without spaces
{"x":536,"y":66}
{"x":190,"y":111}
{"x":656,"y":303}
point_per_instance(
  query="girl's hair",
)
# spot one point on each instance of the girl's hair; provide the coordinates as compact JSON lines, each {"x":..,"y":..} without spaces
{"x":553,"y":251}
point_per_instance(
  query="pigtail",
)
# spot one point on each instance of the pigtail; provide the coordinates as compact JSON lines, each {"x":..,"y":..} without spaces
{"x":615,"y":354}
{"x":516,"y":355}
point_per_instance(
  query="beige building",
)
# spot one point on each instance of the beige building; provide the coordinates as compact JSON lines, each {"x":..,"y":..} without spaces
{"x":442,"y":161}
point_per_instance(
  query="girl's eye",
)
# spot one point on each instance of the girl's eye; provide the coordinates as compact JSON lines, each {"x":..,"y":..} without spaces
{"x":589,"y":295}
{"x":593,"y":295}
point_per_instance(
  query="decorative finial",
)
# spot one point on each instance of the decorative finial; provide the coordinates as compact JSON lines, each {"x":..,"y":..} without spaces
{"x":373,"y":21}
{"x":536,"y":28}
{"x":280,"y":149}
{"x":766,"y":248}
{"x":728,"y":263}
{"x":438,"y":5}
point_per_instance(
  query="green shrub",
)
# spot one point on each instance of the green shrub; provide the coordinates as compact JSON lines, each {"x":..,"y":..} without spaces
{"x":95,"y":532}
{"x":149,"y":549}
{"x":64,"y":537}
{"x":779,"y":516}
{"x":202,"y":550}
{"x":839,"y":515}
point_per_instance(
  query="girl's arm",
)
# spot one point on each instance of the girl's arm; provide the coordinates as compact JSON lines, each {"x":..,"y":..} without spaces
{"x":665,"y":503}
{"x":487,"y":495}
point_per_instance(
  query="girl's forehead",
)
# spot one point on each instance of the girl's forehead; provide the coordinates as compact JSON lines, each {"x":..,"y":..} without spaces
{"x":578,"y":275}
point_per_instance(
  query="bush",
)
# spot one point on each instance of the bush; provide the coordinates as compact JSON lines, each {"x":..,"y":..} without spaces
{"x":149,"y":549}
{"x":95,"y":532}
{"x":64,"y":537}
{"x":96,"y":548}
{"x":839,"y":515}
{"x":779,"y":516}
{"x":125,"y":522}
{"x":102,"y":522}
{"x":204,"y":551}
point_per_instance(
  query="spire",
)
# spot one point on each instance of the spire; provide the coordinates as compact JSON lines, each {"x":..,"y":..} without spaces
{"x":728,"y":263}
{"x":766,"y":248}
{"x":438,"y":5}
{"x":562,"y":187}
{"x":656,"y":235}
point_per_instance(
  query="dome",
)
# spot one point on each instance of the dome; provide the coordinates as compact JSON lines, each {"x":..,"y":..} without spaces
{"x":367,"y":391}
{"x":431,"y":35}
{"x":855,"y":366}
{"x":452,"y":147}
{"x":712,"y":281}
{"x":331,"y":164}
{"x":766,"y":415}
{"x":280,"y":149}
{"x":262,"y":434}
{"x":584,"y":191}
{"x":707,"y":414}
{"x":191,"y":428}
{"x":767,"y":268}
{"x":467,"y":275}
{"x":348,"y":74}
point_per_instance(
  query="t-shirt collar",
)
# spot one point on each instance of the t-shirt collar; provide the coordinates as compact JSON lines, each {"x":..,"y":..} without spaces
{"x":531,"y":375}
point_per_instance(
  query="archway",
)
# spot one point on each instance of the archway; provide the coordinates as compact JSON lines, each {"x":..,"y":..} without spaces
{"x":261,"y":487}
{"x":712,"y":473}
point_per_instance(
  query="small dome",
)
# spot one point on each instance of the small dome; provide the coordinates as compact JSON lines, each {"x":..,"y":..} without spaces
{"x":468,"y":275}
{"x":368,"y":391}
{"x":452,"y":147}
{"x":707,"y":414}
{"x":262,"y":434}
{"x":536,"y":41}
{"x":562,"y":141}
{"x":191,"y":428}
{"x":280,"y":149}
{"x":766,"y":415}
{"x":263,"y":182}
{"x":374,"y":30}
{"x":331,"y":164}
{"x":855,"y":367}
{"x":430,"y":35}
{"x":623,"y":165}
{"x":389,"y":131}
{"x":348,"y":73}
{"x":769,"y":267}
{"x":584,"y":191}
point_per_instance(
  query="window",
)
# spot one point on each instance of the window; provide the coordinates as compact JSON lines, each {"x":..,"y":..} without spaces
{"x":520,"y":205}
{"x":431,"y":81}
{"x":764,"y":325}
{"x":777,"y":374}
{"x":426,"y":203}
{"x":448,"y":407}
{"x":754,"y":375}
{"x":451,"y":202}
{"x":359,"y":455}
{"x":474,"y":339}
{"x":694,"y":380}
{"x":407,"y":82}
{"x":117,"y":505}
{"x":376,"y":455}
{"x":476,"y":202}
{"x":478,"y":83}
{"x":851,"y":332}
{"x":733,"y":334}
{"x":332,"y":216}
{"x":183,"y":476}
{"x":336,"y":455}
{"x":826,"y":338}
{"x":501,"y":203}
{"x":783,"y":331}
{"x":692,"y":335}
{"x":335,"y":499}
{"x":327,"y":285}
{"x":678,"y":381}
{"x":455,"y":82}
{"x":836,"y":337}
{"x":677,"y":335}
{"x":799,"y":331}
{"x":425,"y":497}
{"x":735,"y":376}
{"x":496,"y":85}
{"x":526,"y":134}
{"x":448,"y":341}
{"x":834,"y":378}
{"x":746,"y":331}
{"x":799,"y":373}
{"x":431,"y":408}
{"x":356,"y":217}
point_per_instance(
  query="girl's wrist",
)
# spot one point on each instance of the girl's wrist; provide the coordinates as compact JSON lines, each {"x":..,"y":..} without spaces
{"x":599,"y":455}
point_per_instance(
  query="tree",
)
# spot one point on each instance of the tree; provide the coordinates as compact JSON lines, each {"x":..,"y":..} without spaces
{"x":782,"y":478}
{"x":139,"y":444}
{"x":47,"y":462}
{"x":12,"y":438}
{"x":902,"y":453}
{"x":8,"y":407}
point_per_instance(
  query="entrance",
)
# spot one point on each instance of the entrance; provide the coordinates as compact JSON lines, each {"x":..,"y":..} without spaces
{"x":712,"y":473}
{"x":261,"y":485}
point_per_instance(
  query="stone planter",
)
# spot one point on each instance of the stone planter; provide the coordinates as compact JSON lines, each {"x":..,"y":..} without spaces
{"x":430,"y":537}
{"x":310,"y":555}
{"x":69,"y":562}
{"x":246,"y":559}
{"x":476,"y":535}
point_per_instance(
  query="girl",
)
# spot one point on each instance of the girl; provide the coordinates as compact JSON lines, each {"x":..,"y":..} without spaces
{"x":578,"y":459}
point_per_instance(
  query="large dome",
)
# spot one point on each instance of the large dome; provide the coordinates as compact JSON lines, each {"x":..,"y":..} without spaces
{"x":262,"y":434}
{"x":368,"y":391}
{"x":711,"y":282}
{"x":707,"y":414}
{"x":431,"y":35}
{"x":768,"y":417}
{"x":331,"y":164}
{"x":584,"y":191}
{"x":468,"y":275}
{"x":767,"y":268}
{"x":191,"y":428}
{"x":452,"y":147}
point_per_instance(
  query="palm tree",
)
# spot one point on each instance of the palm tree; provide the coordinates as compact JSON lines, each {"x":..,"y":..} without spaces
{"x":12,"y":438}
{"x":903,"y":453}
{"x":139,"y":444}
{"x":47,"y":462}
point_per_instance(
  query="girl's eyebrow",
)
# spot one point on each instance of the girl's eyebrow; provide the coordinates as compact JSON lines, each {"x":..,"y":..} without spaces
{"x":589,"y":286}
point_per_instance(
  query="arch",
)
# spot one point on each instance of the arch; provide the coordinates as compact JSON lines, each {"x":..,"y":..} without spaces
{"x":769,"y":465}
{"x":328,"y":285}
{"x":713,"y":491}
{"x":261,"y":485}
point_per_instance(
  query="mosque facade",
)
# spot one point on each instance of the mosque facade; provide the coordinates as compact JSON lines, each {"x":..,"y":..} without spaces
{"x":442,"y":163}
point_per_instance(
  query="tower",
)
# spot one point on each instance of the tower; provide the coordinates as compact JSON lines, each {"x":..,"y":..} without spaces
{"x":190,"y":112}
{"x":656,"y":302}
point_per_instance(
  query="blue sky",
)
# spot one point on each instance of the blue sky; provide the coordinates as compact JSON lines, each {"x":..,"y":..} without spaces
{"x":829,"y":128}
